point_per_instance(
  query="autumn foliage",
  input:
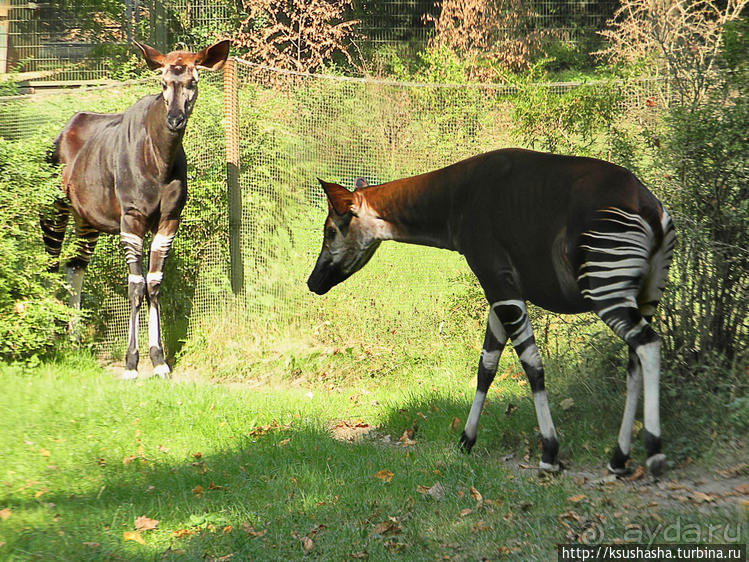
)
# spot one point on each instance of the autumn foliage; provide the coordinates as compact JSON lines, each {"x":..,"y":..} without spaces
{"x":298,"y":35}
{"x":502,"y":32}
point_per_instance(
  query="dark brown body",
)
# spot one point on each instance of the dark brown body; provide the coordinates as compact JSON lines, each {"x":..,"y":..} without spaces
{"x":569,"y":234}
{"x":113,"y":165}
{"x":126,"y":174}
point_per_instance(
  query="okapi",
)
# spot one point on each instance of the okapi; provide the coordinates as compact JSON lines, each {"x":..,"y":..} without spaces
{"x":569,"y":234}
{"x":126,"y":174}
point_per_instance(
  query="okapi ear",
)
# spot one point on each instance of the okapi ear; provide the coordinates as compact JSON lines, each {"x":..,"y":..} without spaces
{"x":154,"y":59}
{"x":339,"y":198}
{"x":213,"y":57}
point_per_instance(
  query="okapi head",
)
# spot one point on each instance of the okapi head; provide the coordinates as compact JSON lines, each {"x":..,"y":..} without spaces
{"x":179,"y":77}
{"x":350,"y":237}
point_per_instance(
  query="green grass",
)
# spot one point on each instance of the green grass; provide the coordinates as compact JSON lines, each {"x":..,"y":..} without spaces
{"x":85,"y":455}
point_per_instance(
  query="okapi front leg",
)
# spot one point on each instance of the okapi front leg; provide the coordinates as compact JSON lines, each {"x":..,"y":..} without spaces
{"x":494,"y":343}
{"x":514,"y":317}
{"x":160,"y":246}
{"x":132,"y":242}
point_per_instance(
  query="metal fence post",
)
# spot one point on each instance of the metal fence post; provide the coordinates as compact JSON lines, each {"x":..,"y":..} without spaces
{"x":234,"y":190}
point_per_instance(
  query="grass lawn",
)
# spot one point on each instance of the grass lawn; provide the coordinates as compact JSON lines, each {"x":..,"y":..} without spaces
{"x":286,"y":469}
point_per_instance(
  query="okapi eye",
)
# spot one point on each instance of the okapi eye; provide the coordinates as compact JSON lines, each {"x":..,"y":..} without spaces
{"x":163,"y":85}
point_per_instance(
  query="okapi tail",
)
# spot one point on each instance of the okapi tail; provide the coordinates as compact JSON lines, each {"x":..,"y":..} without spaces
{"x":660,"y":261}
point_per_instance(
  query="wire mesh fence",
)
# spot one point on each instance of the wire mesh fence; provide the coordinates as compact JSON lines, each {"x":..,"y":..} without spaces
{"x":291,"y":128}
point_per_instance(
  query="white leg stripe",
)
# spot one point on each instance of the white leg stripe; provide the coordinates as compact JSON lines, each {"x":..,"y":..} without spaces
{"x":161,"y":243}
{"x":490,"y":359}
{"x":531,"y":357}
{"x":132,"y":239}
{"x":135,"y":278}
{"x":650,"y":359}
{"x":545,"y":424}
{"x":75,"y":280}
{"x":473,"y":417}
{"x":155,"y":276}
{"x":634,"y":384}
{"x":154,"y":339}
{"x":496,"y":328}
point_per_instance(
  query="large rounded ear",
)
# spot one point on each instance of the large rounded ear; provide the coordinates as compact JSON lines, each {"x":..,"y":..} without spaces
{"x":154,"y":59}
{"x":339,"y":198}
{"x":213,"y":57}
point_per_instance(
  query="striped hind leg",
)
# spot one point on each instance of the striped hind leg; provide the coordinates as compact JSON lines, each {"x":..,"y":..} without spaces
{"x":618,"y":273}
{"x":75,"y":268}
{"x":54,"y":222}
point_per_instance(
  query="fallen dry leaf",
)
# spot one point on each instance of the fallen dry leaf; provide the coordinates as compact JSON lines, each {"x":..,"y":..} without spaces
{"x":437,"y":491}
{"x":127,"y":460}
{"x":198,"y":491}
{"x":44,"y":452}
{"x":359,"y":555}
{"x":475,"y":494}
{"x":41,"y":492}
{"x":133,"y":536}
{"x":384,"y":475}
{"x":91,"y":544}
{"x":284,"y":442}
{"x":198,"y":455}
{"x":466,"y":511}
{"x":179,"y":533}
{"x":143,"y":523}
{"x":455,"y":424}
{"x":390,"y":526}
{"x":577,"y":498}
{"x":701,"y":497}
{"x":5,"y":513}
{"x":482,"y":526}
{"x":742,"y":488}
{"x":638,"y":474}
{"x":567,"y":403}
{"x":307,"y":544}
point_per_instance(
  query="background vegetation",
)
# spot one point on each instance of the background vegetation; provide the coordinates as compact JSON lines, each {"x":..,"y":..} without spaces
{"x":399,"y":339}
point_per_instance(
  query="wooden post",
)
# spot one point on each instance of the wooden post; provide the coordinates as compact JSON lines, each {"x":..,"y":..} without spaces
{"x":234,"y":189}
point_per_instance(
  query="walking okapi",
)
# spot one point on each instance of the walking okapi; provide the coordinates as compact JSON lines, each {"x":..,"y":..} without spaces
{"x":126,"y":174}
{"x":566,"y":233}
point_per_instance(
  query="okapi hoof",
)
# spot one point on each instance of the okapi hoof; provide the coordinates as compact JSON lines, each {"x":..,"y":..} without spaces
{"x":618,"y":463}
{"x":162,"y":371}
{"x":466,"y":443}
{"x":129,"y":374}
{"x":656,"y":464}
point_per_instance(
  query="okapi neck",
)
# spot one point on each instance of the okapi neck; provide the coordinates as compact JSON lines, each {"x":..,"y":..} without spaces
{"x":420,"y":209}
{"x":165,"y":141}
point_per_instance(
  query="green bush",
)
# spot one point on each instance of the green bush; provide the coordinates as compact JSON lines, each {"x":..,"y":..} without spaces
{"x":705,"y":176}
{"x":31,"y":317}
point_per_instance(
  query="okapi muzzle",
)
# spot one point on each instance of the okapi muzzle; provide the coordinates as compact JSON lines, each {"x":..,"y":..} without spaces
{"x":348,"y":242}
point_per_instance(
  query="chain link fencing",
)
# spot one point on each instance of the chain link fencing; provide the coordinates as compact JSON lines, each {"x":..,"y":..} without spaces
{"x":242,"y":255}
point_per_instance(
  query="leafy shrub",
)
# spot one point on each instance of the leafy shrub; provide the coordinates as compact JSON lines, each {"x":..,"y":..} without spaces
{"x":31,"y":317}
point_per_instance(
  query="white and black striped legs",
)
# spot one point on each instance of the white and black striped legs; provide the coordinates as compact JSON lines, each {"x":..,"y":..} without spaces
{"x":136,"y":292}
{"x":623,"y":278}
{"x":159,"y":251}
{"x":139,"y":288}
{"x":494,"y":342}
{"x":510,"y":318}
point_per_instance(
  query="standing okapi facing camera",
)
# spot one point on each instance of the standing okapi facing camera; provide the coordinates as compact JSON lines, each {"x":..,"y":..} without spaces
{"x":126,"y":174}
{"x":569,"y":234}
